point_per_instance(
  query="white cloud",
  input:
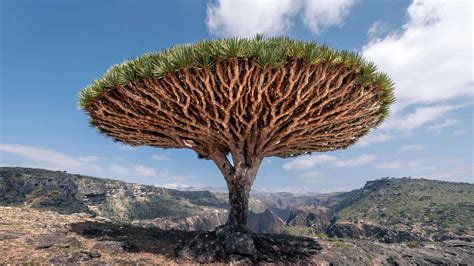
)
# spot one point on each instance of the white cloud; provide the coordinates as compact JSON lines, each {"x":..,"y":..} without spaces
{"x":436,"y":128}
{"x":356,"y":161}
{"x":179,"y":186}
{"x":125,"y":147}
{"x":377,"y":29}
{"x":310,"y":161}
{"x":463,"y":173}
{"x":50,"y":159}
{"x":419,"y":117}
{"x":459,"y":132}
{"x":266,"y":161}
{"x":92,"y":165}
{"x":144,"y":170}
{"x":245,"y":18}
{"x":176,"y":181}
{"x":119,"y":170}
{"x":133,"y":170}
{"x":404,"y":123}
{"x":171,"y":176}
{"x":411,"y":147}
{"x":160,"y":157}
{"x":373,"y":138}
{"x":417,"y":165}
{"x":312,"y":176}
{"x":430,"y":59}
{"x":301,"y":189}
{"x":321,"y":14}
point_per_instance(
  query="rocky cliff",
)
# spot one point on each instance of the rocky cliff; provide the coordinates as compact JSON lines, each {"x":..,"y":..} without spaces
{"x":315,"y":217}
{"x":114,"y":200}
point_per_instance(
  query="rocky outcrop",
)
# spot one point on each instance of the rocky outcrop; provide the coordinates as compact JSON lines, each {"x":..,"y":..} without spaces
{"x":112,"y":199}
{"x":266,"y":222}
{"x":206,"y":220}
{"x":238,"y":245}
{"x":363,"y":230}
{"x":427,"y":209}
{"x":55,"y":240}
{"x":315,"y":217}
{"x":368,"y":252}
{"x":40,"y":189}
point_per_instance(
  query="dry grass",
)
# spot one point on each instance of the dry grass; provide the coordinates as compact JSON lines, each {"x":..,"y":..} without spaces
{"x":20,"y":226}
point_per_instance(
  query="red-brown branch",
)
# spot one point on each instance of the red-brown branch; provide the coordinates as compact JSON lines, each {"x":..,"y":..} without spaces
{"x":242,"y":108}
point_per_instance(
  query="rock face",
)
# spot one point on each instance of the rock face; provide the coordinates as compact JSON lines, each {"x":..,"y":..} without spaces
{"x":115,"y":200}
{"x":49,"y":192}
{"x":266,"y":222}
{"x":409,"y":208}
{"x":207,"y":220}
{"x":315,"y":217}
{"x":363,"y":230}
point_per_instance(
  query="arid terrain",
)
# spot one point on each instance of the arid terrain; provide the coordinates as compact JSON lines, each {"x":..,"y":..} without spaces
{"x":55,"y":217}
{"x":30,"y":235}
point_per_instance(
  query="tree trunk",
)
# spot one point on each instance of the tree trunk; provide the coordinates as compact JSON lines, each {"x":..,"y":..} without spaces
{"x":239,"y":203}
{"x":239,"y":190}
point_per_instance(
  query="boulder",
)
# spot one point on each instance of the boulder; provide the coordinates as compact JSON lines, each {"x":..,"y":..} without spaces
{"x":55,"y":240}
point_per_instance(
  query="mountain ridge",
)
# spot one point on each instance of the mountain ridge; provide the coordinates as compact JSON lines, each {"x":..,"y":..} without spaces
{"x":355,"y":214}
{"x":65,"y":218}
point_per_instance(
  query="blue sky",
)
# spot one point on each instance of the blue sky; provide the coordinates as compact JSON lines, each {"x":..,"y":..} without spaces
{"x":52,"y":49}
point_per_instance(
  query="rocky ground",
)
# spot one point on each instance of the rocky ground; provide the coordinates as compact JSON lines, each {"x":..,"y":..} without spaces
{"x":41,"y":236}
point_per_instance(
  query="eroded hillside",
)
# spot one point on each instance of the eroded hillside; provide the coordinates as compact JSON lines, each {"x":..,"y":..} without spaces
{"x":388,"y":210}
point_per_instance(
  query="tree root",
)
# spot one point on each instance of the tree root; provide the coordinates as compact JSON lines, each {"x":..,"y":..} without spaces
{"x":239,"y":244}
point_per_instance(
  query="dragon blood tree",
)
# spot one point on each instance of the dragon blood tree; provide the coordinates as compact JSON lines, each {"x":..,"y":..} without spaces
{"x":250,"y":98}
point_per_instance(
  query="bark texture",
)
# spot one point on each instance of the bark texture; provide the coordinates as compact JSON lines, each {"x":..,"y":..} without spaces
{"x":240,"y":108}
{"x":239,"y":191}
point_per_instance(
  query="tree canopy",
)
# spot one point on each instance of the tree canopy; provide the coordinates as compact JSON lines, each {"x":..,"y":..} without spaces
{"x":210,"y":88}
{"x":270,"y":52}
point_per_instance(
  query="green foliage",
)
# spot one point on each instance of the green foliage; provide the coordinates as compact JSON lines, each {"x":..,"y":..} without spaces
{"x":391,"y":202}
{"x":34,"y":194}
{"x":270,"y":52}
{"x":370,"y":257}
{"x":298,"y":231}
{"x":321,"y":235}
{"x":413,"y":244}
{"x":54,"y":194}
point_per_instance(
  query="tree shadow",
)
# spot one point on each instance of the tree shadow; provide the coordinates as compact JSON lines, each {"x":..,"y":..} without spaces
{"x":202,"y":246}
{"x":135,"y":239}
